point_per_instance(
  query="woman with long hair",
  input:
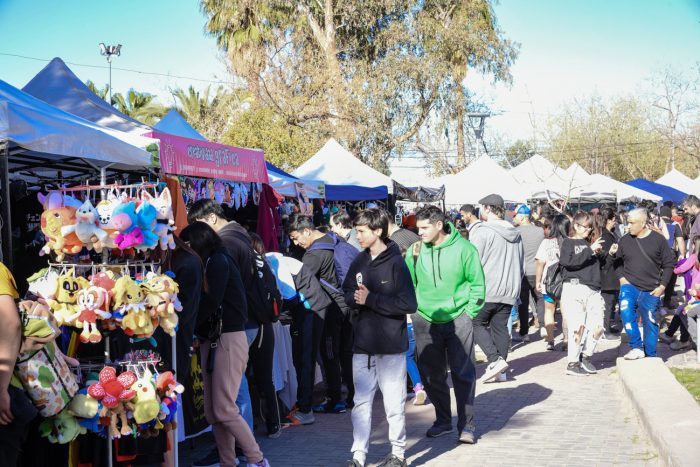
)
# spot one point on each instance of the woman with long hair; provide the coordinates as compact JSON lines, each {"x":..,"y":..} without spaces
{"x":224,"y":347}
{"x":581,"y":300}
{"x":609,"y":282}
{"x":547,"y":256}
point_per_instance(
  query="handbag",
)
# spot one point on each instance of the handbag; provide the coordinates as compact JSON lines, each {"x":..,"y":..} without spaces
{"x":554,"y":280}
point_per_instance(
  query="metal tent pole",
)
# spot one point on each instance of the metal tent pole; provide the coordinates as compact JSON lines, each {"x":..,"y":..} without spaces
{"x":6,"y":211}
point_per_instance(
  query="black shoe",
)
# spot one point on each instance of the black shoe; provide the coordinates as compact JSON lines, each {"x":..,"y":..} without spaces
{"x":587,"y":366}
{"x":274,"y":431}
{"x":436,"y":431}
{"x":354,"y":463}
{"x":210,"y":460}
{"x":574,"y":369}
{"x":614,"y":329}
{"x":564,"y":346}
{"x":610,"y":336}
{"x":392,"y":461}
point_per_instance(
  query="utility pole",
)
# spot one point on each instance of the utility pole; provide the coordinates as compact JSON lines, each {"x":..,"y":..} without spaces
{"x":477,"y":120}
{"x":110,"y":51}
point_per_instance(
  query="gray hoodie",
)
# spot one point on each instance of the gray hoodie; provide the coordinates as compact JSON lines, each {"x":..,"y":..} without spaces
{"x":502,"y":256}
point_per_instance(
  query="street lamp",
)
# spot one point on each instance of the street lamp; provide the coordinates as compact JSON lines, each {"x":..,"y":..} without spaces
{"x":109,"y":51}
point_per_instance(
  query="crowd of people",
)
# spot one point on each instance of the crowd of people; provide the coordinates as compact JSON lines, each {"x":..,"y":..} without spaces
{"x":390,"y":308}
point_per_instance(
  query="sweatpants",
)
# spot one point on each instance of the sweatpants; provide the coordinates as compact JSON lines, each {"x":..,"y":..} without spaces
{"x":584,"y":309}
{"x":336,"y":353}
{"x":220,"y":390}
{"x":262,"y":352}
{"x":528,"y":289}
{"x":491,"y":330}
{"x":438,"y":345}
{"x":306,"y":330}
{"x":388,"y":374}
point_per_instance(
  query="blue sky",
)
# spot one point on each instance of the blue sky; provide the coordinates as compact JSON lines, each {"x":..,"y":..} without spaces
{"x":569,"y":48}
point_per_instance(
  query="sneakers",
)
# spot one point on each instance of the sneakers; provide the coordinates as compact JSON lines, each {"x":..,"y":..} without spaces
{"x":550,"y":345}
{"x":575,"y":369}
{"x":210,"y":460}
{"x":436,"y":431}
{"x":354,"y":463}
{"x":393,"y":461}
{"x":634,"y":354}
{"x":262,"y":463}
{"x":274,"y":431}
{"x":679,"y":345}
{"x":609,"y":336}
{"x":499,"y":378}
{"x":467,"y":436}
{"x":494,"y":368}
{"x":301,"y":418}
{"x":543,"y":332}
{"x":327,"y":407}
{"x":564,"y":346}
{"x":587,"y":366}
{"x":420,"y":393}
{"x":666,"y":339}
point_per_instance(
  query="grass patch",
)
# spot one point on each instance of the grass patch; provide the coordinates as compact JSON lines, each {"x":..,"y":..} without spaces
{"x":690,"y":379}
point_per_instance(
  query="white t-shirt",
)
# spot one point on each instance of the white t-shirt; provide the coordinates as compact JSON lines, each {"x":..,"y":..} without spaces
{"x":549,"y":253}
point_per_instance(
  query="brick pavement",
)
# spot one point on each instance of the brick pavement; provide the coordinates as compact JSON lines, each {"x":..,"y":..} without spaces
{"x":539,"y":417}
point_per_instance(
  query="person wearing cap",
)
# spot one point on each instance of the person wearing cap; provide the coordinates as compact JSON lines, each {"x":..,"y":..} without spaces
{"x":532,"y":236}
{"x":501,"y":253}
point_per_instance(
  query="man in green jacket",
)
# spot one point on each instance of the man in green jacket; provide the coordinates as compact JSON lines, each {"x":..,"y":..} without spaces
{"x":449,"y":282}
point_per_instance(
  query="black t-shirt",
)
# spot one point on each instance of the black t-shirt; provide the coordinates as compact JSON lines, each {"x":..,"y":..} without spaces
{"x":637,"y":269}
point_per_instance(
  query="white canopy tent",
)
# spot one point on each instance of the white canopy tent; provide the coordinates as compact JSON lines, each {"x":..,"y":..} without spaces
{"x":678,"y":180}
{"x":482,"y":177}
{"x":602,"y":188}
{"x":335,"y":165}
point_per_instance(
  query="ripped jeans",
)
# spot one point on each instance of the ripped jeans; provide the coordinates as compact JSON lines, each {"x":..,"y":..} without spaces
{"x":632,"y":300}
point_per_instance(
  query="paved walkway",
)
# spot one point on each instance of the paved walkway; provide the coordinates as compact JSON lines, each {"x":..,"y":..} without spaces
{"x":539,"y":417}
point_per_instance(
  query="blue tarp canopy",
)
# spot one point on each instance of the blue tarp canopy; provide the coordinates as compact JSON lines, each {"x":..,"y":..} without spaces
{"x":667,"y":193}
{"x":174,"y":124}
{"x":355,"y":193}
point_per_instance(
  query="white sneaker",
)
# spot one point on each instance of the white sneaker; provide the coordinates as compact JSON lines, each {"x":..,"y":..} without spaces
{"x":421,"y":395}
{"x":262,"y":463}
{"x":679,"y":345}
{"x":499,"y":366}
{"x":634,"y":354}
{"x":543,"y":332}
{"x":501,"y":378}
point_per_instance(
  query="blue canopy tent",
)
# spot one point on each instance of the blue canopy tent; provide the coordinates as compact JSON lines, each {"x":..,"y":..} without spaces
{"x":667,"y":193}
{"x":174,"y":124}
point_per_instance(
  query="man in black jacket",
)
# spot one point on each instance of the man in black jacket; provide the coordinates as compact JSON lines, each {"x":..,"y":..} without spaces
{"x":378,"y":285}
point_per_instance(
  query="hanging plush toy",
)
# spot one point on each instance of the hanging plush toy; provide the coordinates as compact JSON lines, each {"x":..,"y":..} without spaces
{"x":126,"y":222}
{"x":146,"y":220}
{"x":56,"y":215}
{"x":114,"y":392}
{"x":92,"y":236}
{"x":87,"y":410}
{"x":64,"y":306}
{"x":146,"y":405}
{"x":165,"y":220}
{"x":130,"y":308}
{"x":91,"y":300}
{"x":162,"y":301}
{"x":44,"y":284}
{"x":61,"y":429}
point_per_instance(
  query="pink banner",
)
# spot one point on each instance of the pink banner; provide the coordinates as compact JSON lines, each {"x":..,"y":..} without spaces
{"x":196,"y":158}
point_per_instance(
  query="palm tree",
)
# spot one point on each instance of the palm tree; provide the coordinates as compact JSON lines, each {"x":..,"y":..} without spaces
{"x":139,"y":106}
{"x":191,"y":104}
{"x":101,"y":93}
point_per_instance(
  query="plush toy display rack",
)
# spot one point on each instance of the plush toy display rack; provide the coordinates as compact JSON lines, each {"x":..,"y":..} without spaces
{"x":135,"y":235}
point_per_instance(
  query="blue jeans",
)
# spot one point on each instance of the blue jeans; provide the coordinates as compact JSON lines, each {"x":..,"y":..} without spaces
{"x":633,"y":300}
{"x":411,"y":366}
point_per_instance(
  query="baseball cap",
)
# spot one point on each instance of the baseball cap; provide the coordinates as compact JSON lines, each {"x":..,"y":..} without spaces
{"x":523,"y":209}
{"x":492,"y":200}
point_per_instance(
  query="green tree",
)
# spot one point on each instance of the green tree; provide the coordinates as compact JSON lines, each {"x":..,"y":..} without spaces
{"x":140,"y":106}
{"x":101,"y":92}
{"x":517,"y":152}
{"x":370,"y":73}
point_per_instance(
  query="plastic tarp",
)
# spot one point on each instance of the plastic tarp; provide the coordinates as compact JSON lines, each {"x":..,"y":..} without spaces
{"x":482,"y":177}
{"x":175,"y":124}
{"x":288,"y":185}
{"x":666,"y":193}
{"x":53,"y":134}
{"x":57,"y":85}
{"x":680,"y":181}
{"x":418,"y":194}
{"x":335,"y":165}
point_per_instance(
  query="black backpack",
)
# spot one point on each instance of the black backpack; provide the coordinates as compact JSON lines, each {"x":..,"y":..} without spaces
{"x":264,"y":298}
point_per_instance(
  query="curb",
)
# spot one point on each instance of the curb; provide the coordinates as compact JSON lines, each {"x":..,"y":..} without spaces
{"x":668,"y":412}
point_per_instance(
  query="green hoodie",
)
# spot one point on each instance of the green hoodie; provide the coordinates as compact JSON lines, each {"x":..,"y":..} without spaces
{"x":448,"y":278}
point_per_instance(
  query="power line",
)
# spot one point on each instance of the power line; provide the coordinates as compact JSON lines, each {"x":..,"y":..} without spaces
{"x":129,"y":70}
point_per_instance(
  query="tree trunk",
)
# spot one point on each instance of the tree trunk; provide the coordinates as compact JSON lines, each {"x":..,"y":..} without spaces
{"x":461,"y":159}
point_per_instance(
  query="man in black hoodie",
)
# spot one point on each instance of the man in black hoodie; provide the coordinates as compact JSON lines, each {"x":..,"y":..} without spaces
{"x":378,"y":285}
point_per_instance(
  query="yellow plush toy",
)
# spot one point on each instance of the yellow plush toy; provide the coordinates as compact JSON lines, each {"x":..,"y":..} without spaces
{"x":162,"y":301}
{"x":129,"y":306}
{"x":146,"y":405}
{"x":64,"y":306}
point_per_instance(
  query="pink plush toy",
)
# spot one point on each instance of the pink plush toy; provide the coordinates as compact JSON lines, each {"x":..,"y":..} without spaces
{"x":124,"y":220}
